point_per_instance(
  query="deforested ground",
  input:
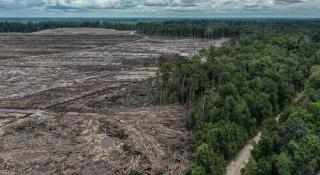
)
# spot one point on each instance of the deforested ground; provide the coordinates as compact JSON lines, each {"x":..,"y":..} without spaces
{"x":80,"y":101}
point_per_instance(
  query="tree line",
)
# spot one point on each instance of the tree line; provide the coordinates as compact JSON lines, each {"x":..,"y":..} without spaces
{"x":232,"y":91}
{"x":212,"y":29}
{"x":209,"y":29}
{"x":42,"y":25}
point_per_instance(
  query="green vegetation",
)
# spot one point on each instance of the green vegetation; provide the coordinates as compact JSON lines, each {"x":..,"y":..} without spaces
{"x":174,"y":28}
{"x":227,"y":28}
{"x":42,"y":25}
{"x":233,"y":91}
{"x":293,"y":145}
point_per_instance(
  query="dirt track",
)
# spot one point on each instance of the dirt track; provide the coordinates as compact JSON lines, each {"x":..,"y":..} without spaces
{"x":242,"y":158}
{"x":91,"y":91}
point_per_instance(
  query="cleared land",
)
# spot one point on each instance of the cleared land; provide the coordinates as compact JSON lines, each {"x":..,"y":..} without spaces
{"x":80,"y":101}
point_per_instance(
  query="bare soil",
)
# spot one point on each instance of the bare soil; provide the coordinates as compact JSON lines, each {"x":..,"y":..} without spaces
{"x":80,"y":101}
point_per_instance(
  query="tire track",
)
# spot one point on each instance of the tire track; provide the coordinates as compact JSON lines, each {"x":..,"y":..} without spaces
{"x":77,"y":50}
{"x":51,"y":107}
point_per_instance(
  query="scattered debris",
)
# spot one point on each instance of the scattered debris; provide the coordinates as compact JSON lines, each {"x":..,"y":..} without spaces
{"x":80,"y":101}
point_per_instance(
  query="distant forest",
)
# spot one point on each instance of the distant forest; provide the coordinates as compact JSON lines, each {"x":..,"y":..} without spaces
{"x":26,"y":27}
{"x":210,"y":29}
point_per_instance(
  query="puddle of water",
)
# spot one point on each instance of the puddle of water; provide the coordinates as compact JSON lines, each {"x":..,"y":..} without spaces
{"x":17,"y":111}
{"x":107,"y":142}
{"x":43,"y":168}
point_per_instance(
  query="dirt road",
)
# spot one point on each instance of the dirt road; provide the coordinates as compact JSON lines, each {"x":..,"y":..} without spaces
{"x":242,"y":158}
{"x":240,"y":161}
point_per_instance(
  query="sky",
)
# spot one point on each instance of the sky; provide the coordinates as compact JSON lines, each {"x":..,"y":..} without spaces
{"x":161,"y":8}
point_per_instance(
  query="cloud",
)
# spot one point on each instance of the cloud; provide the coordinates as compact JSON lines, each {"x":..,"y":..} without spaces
{"x":156,"y":3}
{"x":290,"y":1}
{"x":89,"y":4}
{"x":163,"y":6}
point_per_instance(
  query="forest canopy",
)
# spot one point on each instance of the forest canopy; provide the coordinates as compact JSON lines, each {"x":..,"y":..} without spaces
{"x":235,"y":90}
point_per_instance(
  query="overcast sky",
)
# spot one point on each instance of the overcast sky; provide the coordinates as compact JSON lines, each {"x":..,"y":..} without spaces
{"x":160,"y":8}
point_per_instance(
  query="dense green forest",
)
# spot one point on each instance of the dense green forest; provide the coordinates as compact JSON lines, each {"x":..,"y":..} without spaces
{"x":42,"y":25}
{"x":226,"y":28}
{"x":234,"y":90}
{"x":292,"y":146}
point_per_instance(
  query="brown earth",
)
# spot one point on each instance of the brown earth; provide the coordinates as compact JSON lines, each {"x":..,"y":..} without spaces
{"x":80,"y":101}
